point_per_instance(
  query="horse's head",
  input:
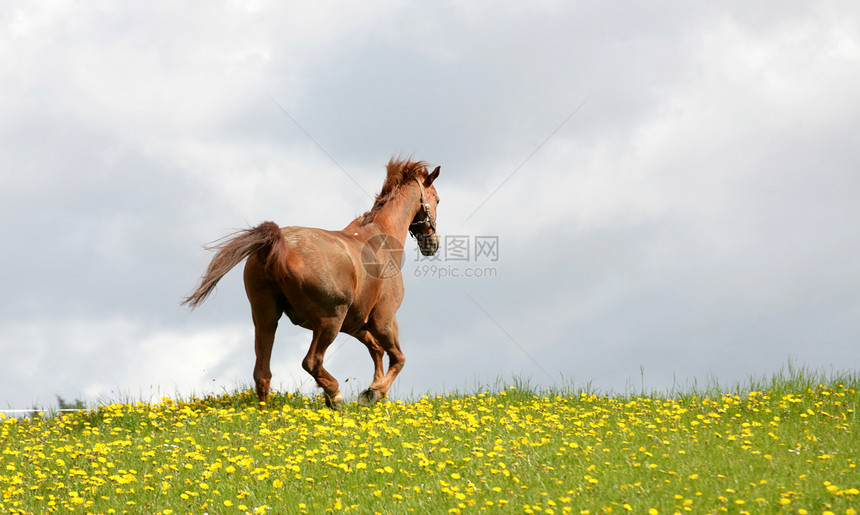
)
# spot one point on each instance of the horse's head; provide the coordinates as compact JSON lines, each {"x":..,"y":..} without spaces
{"x":423,"y":226}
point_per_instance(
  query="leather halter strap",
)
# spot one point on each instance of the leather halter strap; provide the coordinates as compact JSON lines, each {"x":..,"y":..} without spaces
{"x":428,"y":217}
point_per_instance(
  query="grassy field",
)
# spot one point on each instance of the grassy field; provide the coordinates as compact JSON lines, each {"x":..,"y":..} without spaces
{"x":790,"y":444}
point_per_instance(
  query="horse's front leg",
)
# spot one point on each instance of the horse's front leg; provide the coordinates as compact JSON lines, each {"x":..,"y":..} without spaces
{"x":369,"y":396}
{"x":323,"y":336}
{"x":388,"y":340}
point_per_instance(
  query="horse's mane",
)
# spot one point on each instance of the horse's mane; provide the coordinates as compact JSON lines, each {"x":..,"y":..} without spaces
{"x":398,"y":173}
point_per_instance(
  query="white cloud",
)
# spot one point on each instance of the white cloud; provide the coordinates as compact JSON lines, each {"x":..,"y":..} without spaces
{"x":97,"y":358}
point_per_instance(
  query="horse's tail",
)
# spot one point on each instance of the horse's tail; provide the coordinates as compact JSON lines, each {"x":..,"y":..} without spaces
{"x":232,"y":249}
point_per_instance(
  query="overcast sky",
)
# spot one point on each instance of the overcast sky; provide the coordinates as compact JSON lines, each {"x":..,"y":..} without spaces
{"x":661,"y":192}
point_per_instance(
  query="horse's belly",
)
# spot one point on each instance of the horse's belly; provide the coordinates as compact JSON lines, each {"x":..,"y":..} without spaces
{"x":296,"y":319}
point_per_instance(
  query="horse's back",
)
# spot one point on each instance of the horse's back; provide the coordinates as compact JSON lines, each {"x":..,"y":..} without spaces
{"x":320,"y":250}
{"x":318,"y":265}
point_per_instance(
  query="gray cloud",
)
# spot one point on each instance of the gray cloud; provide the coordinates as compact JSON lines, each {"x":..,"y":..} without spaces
{"x":697,"y":216}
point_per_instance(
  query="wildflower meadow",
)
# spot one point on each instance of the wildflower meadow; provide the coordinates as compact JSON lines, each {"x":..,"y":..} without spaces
{"x":789,"y":444}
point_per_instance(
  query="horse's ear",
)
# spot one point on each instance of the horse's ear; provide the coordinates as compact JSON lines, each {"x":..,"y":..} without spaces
{"x":432,"y":177}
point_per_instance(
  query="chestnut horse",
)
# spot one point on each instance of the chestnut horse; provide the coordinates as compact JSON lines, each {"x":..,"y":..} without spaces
{"x":333,"y":281}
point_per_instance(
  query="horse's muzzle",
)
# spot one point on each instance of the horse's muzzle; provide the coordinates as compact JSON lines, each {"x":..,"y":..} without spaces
{"x":429,"y":246}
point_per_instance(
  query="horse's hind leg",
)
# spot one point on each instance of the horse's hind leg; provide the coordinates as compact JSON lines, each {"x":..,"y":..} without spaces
{"x":265,"y":325}
{"x":266,"y":312}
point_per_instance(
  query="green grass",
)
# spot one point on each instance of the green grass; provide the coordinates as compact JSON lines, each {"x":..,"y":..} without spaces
{"x":784,"y":444}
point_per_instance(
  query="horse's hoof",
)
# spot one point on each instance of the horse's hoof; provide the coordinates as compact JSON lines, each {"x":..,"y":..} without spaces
{"x":335,"y":403}
{"x":368,"y":397}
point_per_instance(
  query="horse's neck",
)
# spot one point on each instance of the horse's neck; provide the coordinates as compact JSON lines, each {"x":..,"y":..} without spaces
{"x":396,"y":215}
